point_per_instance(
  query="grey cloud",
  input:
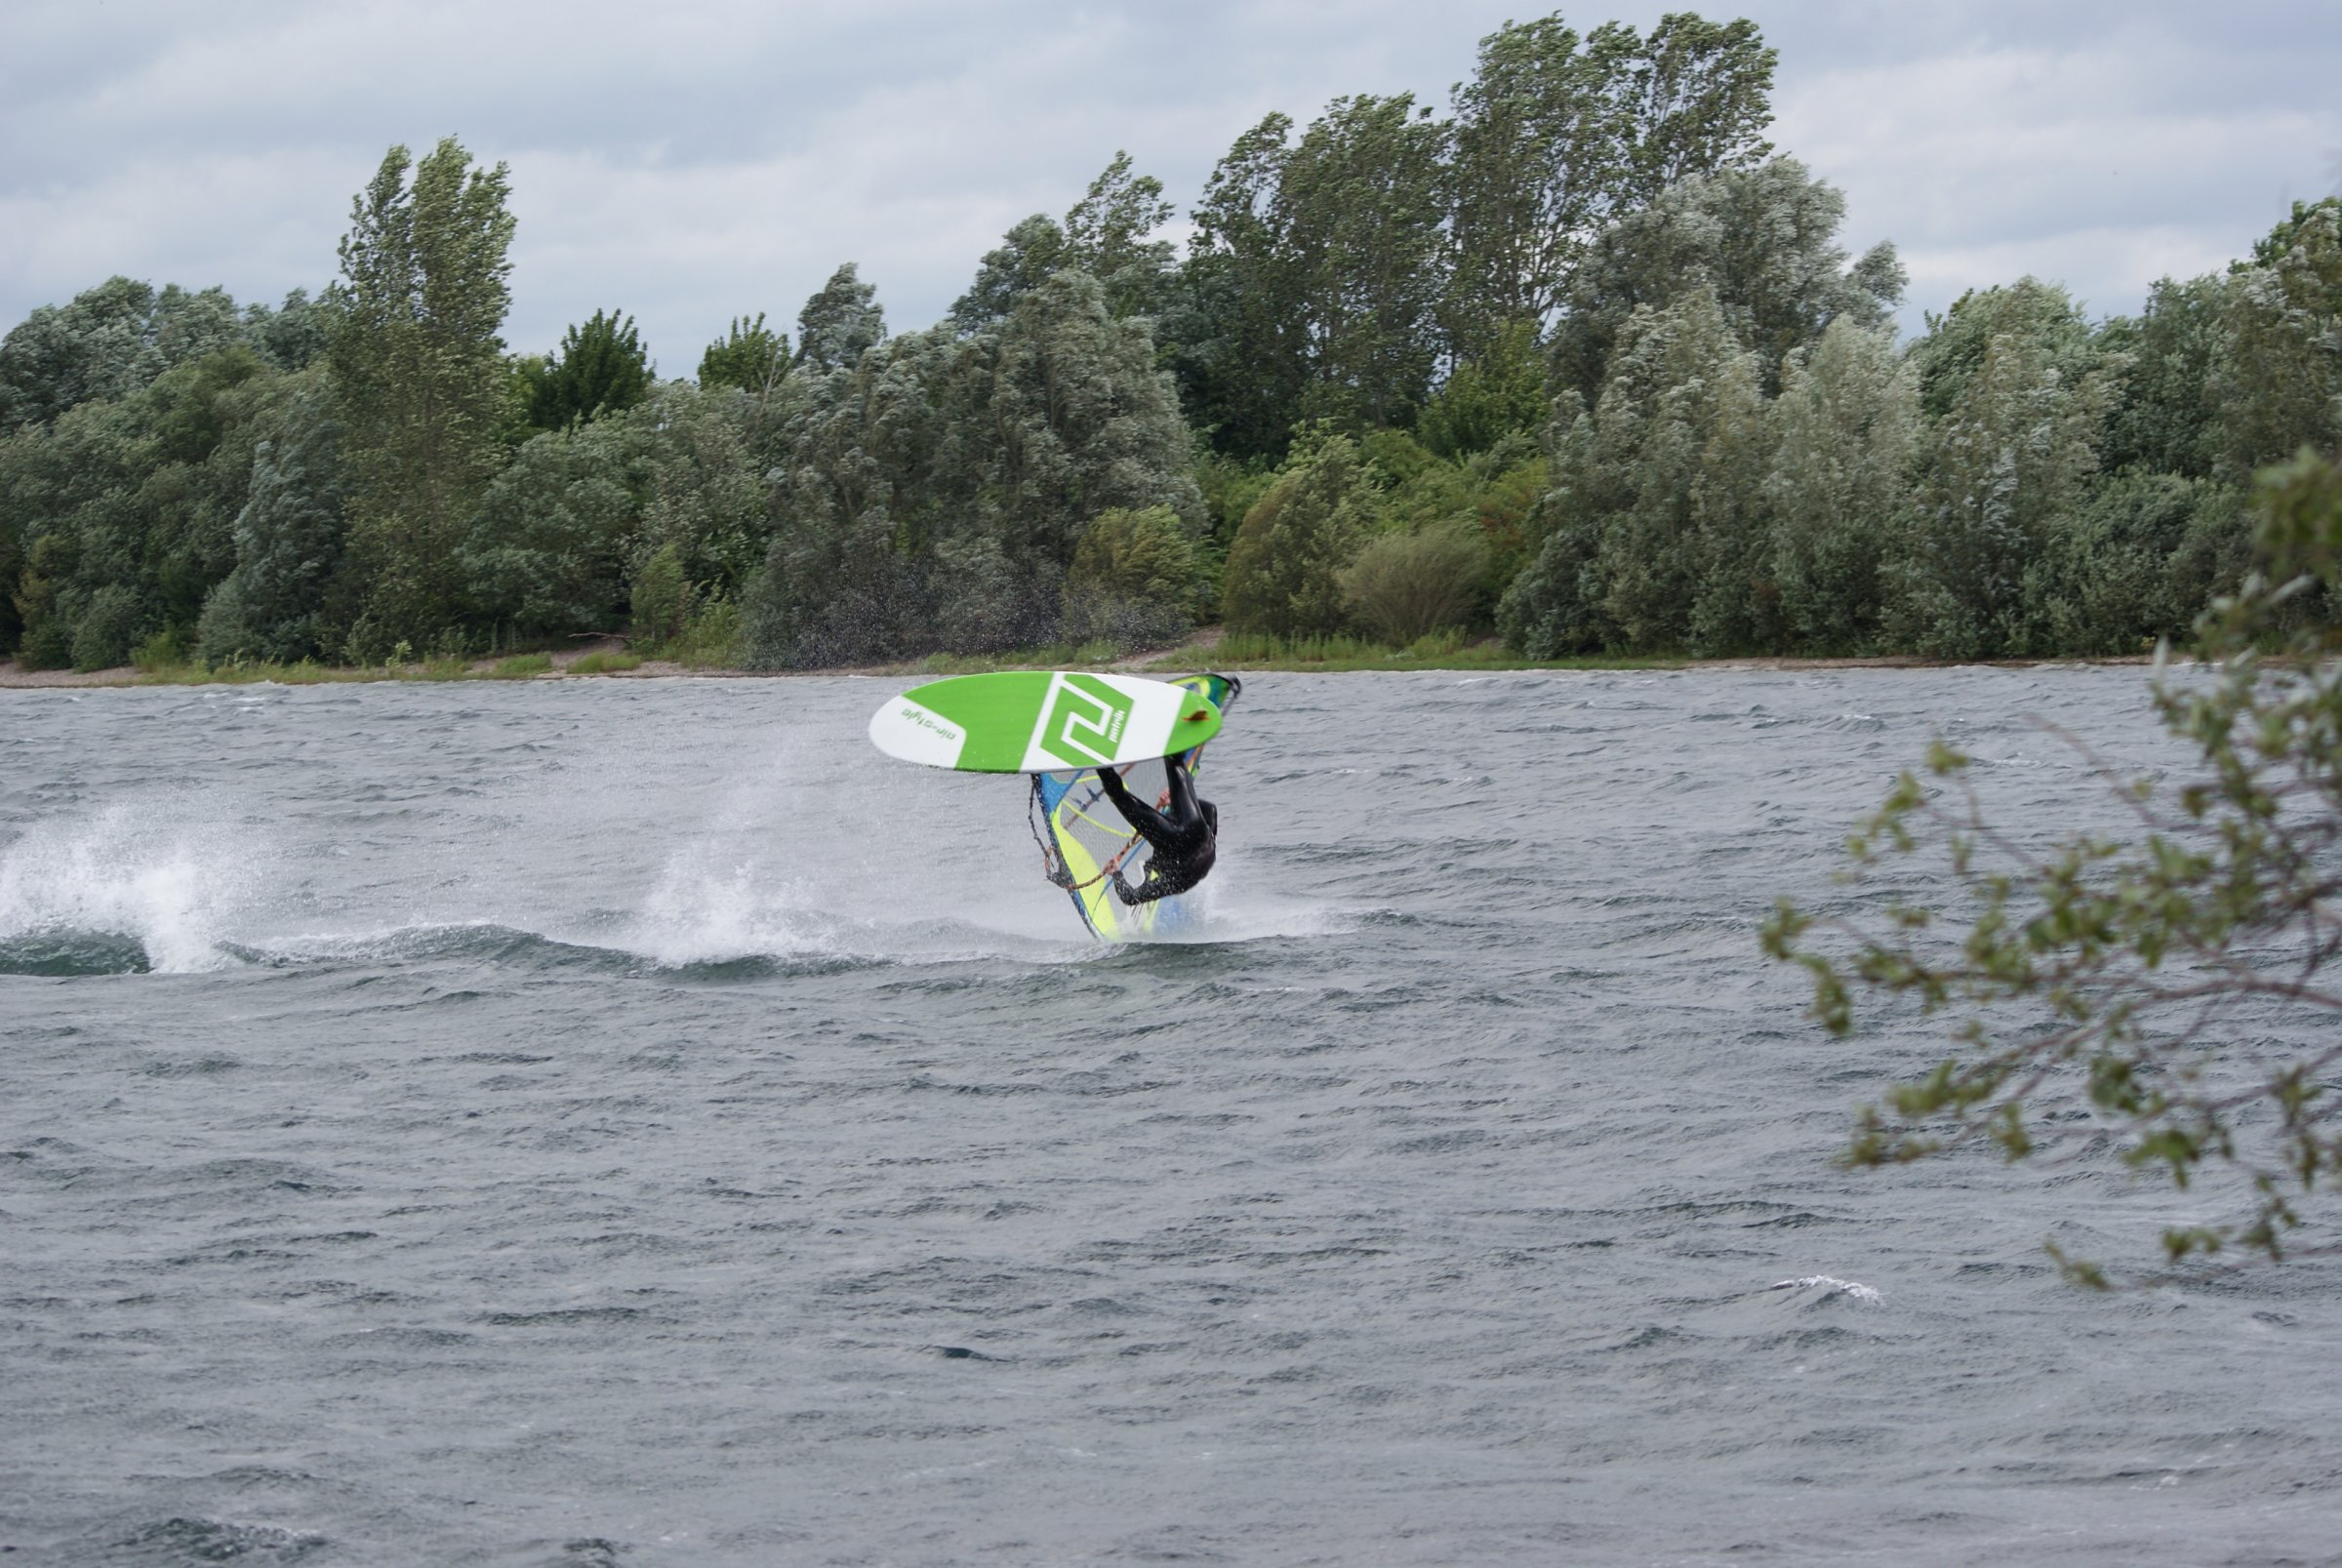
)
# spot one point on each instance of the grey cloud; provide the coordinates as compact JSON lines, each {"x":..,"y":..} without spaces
{"x":2101,"y":157}
{"x":688,"y":163}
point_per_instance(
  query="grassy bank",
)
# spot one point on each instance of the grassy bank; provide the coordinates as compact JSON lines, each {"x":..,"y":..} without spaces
{"x":1446,"y":651}
{"x":1311,"y":654}
{"x":308,"y":672}
{"x":521,"y":666}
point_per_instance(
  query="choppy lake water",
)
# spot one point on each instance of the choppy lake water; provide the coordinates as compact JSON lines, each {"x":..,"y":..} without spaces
{"x":633,"y":1122}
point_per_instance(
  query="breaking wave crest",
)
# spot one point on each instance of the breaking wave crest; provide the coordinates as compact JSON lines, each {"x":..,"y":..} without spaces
{"x":138,"y":885}
{"x":169,"y":884}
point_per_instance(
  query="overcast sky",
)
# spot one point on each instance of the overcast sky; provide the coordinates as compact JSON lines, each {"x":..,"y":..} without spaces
{"x":687,"y":162}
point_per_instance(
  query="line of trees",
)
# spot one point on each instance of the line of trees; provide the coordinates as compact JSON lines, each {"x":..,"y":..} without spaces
{"x":1581,"y":361}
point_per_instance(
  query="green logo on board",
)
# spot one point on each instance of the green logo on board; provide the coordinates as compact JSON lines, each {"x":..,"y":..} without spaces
{"x":1085,"y":722}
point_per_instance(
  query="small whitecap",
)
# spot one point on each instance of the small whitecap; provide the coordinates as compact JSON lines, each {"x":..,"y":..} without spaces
{"x":1853,"y":1290}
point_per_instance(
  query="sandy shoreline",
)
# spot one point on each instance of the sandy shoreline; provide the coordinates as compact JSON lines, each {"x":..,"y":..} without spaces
{"x":13,"y":676}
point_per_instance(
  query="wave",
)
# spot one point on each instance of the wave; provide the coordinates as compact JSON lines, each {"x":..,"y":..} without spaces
{"x":497,"y":946}
{"x":165,"y":883}
{"x":66,"y":950}
{"x":1235,"y":911}
{"x":1826,"y":1286}
{"x":712,"y":906}
{"x":78,"y":893}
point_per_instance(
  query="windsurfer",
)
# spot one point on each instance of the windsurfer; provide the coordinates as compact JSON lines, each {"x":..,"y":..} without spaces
{"x":1183,"y":839}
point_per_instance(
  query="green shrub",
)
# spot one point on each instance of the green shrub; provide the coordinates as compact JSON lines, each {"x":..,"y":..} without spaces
{"x":223,"y":629}
{"x":1134,"y":580}
{"x":1405,"y":586}
{"x":546,"y":552}
{"x":1281,"y":570}
{"x":604,"y":662}
{"x":368,"y":643}
{"x":521,"y":666}
{"x":103,"y":637}
{"x":1147,"y":555}
{"x":165,"y":650}
{"x":1124,"y":625}
{"x":1441,"y":650}
{"x":1055,"y":656}
{"x":1230,"y":488}
{"x":1548,"y":612}
{"x":2129,"y":565}
{"x":48,"y":644}
{"x":1239,"y":647}
{"x":709,"y":638}
{"x":659,"y":596}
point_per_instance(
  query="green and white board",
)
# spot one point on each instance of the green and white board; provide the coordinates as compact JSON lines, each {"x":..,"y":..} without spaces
{"x":1041,"y":721}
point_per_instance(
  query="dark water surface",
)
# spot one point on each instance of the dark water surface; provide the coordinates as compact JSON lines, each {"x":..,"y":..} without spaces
{"x":633,"y":1122}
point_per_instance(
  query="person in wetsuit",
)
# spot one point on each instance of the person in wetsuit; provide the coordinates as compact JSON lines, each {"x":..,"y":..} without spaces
{"x":1183,"y":839}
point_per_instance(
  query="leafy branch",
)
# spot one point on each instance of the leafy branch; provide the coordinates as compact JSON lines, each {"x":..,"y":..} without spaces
{"x":2150,"y":979}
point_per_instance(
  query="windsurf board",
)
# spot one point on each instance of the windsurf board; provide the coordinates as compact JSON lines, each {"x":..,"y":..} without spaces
{"x":1041,"y":721}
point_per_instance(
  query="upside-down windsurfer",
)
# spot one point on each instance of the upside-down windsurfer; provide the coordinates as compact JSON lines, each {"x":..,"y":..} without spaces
{"x":1183,"y":839}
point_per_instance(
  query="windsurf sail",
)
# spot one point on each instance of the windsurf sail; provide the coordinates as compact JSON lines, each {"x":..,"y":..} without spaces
{"x":1084,"y":841}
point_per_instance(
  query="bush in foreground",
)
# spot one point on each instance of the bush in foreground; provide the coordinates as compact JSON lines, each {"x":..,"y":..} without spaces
{"x":2173,"y":988}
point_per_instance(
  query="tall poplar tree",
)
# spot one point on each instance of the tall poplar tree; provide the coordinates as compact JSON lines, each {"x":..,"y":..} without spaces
{"x":1557,"y":136}
{"x":1108,"y":235}
{"x":1361,"y":195}
{"x":1697,"y":100}
{"x":2006,"y":462}
{"x":1105,"y":234}
{"x":1657,"y":540}
{"x":418,"y":364}
{"x":1842,"y":439}
{"x":2281,"y":382}
{"x":840,"y":323}
{"x":1314,"y":279}
{"x":1235,"y":336}
{"x":1539,"y":148}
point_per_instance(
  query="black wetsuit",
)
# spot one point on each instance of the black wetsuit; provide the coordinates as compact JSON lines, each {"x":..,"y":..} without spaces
{"x":1183,"y":839}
